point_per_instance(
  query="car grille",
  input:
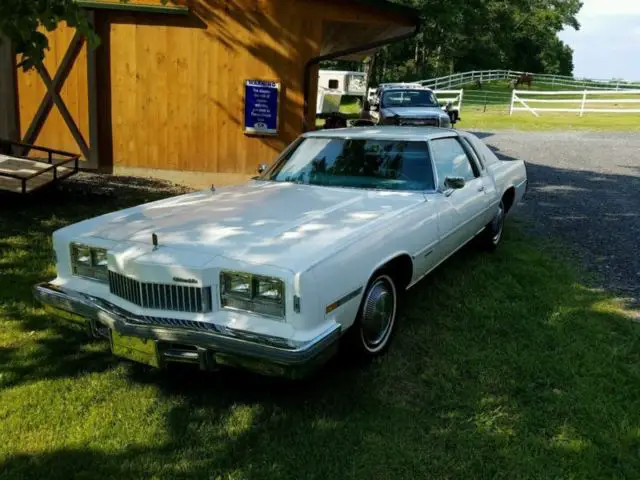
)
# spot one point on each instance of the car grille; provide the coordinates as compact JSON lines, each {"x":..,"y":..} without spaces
{"x":161,"y":296}
{"x":434,"y":122}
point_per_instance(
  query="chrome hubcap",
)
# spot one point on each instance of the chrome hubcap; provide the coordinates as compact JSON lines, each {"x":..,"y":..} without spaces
{"x":378,"y":314}
{"x":497,"y":224}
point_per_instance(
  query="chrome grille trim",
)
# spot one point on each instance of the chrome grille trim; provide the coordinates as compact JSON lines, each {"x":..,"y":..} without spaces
{"x":430,"y":121}
{"x":211,"y":328}
{"x":159,"y":296}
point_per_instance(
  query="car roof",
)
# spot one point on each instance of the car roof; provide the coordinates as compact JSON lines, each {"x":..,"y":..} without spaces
{"x":404,"y":86}
{"x":385,"y":133}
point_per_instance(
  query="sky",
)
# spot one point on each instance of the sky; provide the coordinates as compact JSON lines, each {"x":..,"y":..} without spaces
{"x":608,"y":42}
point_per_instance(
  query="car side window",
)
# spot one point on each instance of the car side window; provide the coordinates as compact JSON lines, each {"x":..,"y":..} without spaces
{"x":451,"y":160}
{"x":473,"y":153}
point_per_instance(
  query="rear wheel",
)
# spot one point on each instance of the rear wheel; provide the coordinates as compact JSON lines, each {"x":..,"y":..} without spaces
{"x":373,"y":329}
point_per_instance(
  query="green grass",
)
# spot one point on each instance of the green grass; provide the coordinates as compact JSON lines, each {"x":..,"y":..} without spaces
{"x":350,"y":105}
{"x":500,"y":120}
{"x":504,"y":366}
{"x":496,"y":96}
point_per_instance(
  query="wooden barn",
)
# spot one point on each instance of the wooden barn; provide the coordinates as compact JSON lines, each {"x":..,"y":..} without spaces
{"x":214,"y":86}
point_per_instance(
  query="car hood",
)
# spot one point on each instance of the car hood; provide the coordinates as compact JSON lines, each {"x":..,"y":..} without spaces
{"x":413,"y":112}
{"x":281,"y":224}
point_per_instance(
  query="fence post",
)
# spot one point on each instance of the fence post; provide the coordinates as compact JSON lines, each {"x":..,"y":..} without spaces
{"x":460,"y":100}
{"x":584,"y":99}
{"x":513,"y":97}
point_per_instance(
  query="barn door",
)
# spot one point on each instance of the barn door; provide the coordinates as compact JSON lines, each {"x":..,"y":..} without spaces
{"x":58,"y":99}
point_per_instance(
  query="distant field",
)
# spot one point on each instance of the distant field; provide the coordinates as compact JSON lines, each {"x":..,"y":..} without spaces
{"x":488,"y":108}
{"x":500,"y":120}
{"x":496,"y":96}
{"x":493,"y":95}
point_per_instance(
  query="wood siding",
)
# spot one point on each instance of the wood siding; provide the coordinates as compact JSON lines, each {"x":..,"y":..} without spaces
{"x":185,"y":77}
{"x":170,"y":88}
{"x":31,"y":91}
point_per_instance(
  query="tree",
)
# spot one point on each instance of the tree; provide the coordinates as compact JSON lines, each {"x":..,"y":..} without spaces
{"x":466,"y":35}
{"x":21,"y":22}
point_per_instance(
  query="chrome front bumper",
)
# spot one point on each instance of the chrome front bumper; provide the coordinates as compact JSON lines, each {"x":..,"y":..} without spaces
{"x":157,"y":341}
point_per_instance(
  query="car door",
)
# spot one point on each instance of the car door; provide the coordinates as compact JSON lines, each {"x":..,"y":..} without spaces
{"x":490,"y":190}
{"x":461,"y":212}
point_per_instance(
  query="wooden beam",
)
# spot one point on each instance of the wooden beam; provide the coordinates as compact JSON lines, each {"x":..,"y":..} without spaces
{"x":68,"y":119}
{"x":8,"y":92}
{"x":58,"y":80}
{"x":135,"y":7}
{"x":93,"y":160}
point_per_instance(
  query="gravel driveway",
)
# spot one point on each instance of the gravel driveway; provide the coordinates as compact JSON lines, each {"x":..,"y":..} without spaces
{"x":585,"y":188}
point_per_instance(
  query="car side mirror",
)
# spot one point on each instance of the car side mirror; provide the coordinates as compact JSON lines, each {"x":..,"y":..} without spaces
{"x":454,"y":183}
{"x":262,"y":168}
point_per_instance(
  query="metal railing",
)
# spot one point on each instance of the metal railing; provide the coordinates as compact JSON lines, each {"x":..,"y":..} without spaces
{"x":21,"y":151}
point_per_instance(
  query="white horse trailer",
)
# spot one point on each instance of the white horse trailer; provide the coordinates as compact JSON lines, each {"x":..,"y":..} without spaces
{"x":334,"y":84}
{"x":348,"y":83}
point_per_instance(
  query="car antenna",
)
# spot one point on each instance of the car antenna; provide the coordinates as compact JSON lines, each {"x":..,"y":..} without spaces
{"x":154,"y":240}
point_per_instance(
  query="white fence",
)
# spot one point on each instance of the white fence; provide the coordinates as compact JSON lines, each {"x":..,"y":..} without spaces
{"x":465,"y":78}
{"x":582,"y":99}
{"x":456,"y":99}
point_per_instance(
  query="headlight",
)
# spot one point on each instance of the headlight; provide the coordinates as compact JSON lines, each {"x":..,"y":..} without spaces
{"x":89,"y":262}
{"x":237,"y":284}
{"x":99,"y":257}
{"x":253,"y":293}
{"x":81,"y":254}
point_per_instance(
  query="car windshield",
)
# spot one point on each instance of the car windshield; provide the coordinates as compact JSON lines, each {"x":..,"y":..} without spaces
{"x":356,"y":163}
{"x":408,"y":98}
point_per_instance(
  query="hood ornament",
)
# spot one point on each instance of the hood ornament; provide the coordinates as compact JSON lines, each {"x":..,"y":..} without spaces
{"x":213,"y":188}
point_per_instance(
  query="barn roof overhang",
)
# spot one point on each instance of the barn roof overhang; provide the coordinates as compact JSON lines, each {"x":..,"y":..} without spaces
{"x":360,"y":37}
{"x":355,"y":40}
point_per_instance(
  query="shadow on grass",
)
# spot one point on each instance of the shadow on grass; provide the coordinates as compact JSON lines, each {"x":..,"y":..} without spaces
{"x":26,"y":225}
{"x":503,"y":367}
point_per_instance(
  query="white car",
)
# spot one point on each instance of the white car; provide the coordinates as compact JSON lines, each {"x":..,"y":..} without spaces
{"x":272,"y":275}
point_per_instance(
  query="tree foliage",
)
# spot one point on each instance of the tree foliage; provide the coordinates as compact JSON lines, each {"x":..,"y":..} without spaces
{"x":461,"y":35}
{"x":22,"y":21}
{"x":456,"y":35}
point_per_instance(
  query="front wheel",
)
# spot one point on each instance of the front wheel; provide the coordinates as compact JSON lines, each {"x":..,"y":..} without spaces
{"x":492,"y":233}
{"x":373,"y":329}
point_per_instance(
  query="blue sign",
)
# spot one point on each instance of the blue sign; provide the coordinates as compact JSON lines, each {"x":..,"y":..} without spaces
{"x":261,"y":103}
